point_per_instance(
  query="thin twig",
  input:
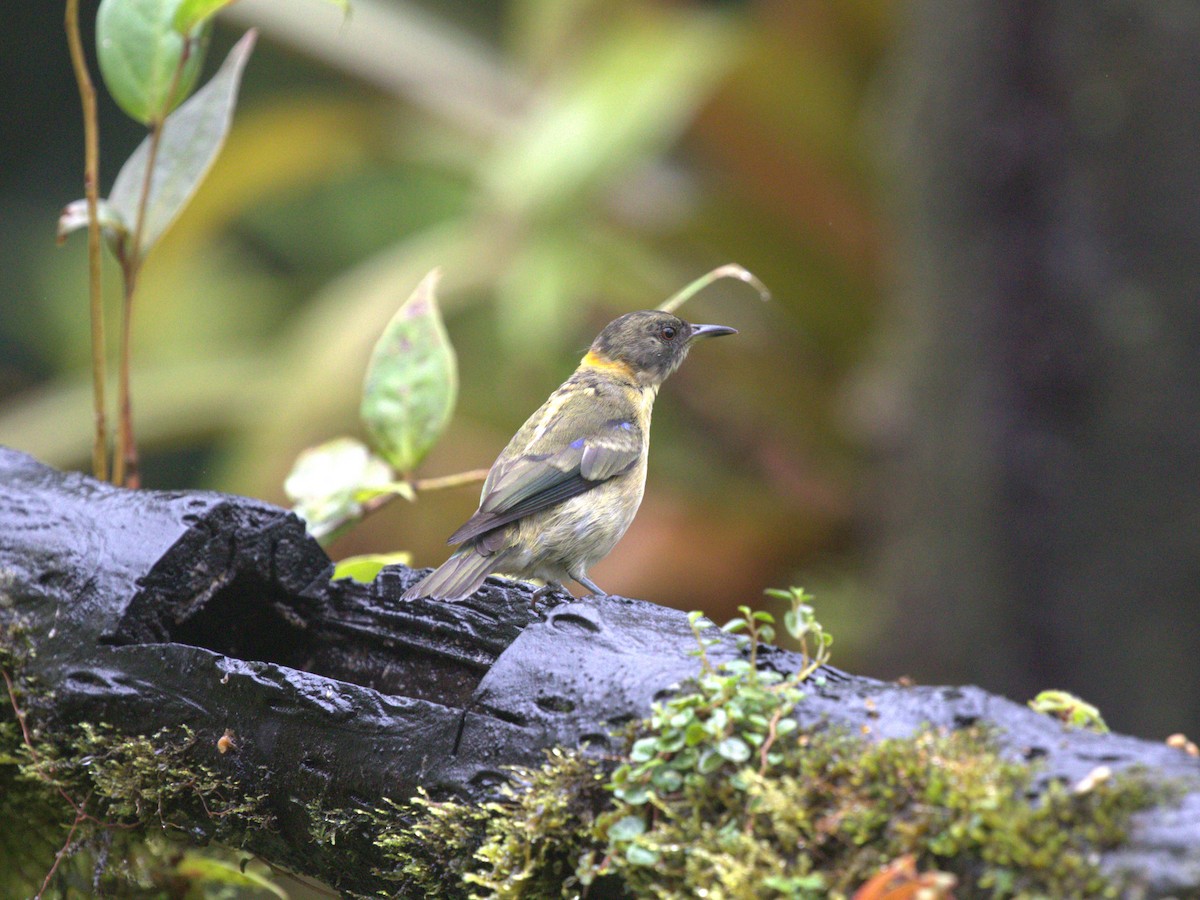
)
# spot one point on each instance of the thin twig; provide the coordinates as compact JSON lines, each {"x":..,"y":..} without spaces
{"x":420,"y":484}
{"x":125,"y":462}
{"x":772,"y":735}
{"x":91,"y":188}
{"x":12,"y":698}
{"x":60,"y":856}
{"x":448,"y":481}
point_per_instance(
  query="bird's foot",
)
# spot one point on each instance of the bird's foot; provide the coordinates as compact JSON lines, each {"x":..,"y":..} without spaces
{"x":545,"y":591}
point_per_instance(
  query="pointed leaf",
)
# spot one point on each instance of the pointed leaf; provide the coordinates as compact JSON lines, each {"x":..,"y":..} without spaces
{"x":191,"y":138}
{"x":196,"y":12}
{"x":412,"y":381}
{"x":191,"y":13}
{"x":364,"y":568}
{"x":205,"y":871}
{"x":140,"y":54}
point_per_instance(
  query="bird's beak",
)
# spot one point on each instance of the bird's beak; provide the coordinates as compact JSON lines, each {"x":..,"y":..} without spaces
{"x":711,"y":331}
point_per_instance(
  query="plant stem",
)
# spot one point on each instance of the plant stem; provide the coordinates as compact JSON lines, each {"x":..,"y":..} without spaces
{"x":125,"y":462}
{"x":125,"y":466}
{"x":449,"y":481}
{"x":422,"y":484}
{"x":91,"y":188}
{"x":418,"y":484}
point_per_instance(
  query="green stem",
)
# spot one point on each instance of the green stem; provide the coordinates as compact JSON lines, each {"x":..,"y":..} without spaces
{"x":125,"y":468}
{"x":91,"y":187}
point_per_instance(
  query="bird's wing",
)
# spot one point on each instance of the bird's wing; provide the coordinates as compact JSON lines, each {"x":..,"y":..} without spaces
{"x":568,"y":466}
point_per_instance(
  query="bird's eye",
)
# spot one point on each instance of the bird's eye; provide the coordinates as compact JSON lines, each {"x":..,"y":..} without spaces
{"x":667,"y":333}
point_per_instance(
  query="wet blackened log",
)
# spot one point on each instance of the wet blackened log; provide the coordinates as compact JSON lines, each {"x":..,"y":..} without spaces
{"x":151,"y":610}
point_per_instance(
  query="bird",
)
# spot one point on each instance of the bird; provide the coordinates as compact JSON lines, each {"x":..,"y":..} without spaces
{"x":563,"y":492}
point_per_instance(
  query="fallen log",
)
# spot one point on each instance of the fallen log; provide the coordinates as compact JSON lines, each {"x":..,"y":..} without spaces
{"x":148,"y":612}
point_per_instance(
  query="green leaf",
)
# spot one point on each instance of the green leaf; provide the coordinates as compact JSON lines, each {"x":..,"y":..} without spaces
{"x":670,"y":742}
{"x":695,"y":734}
{"x":685,"y":759}
{"x":140,"y":55}
{"x":364,"y":568}
{"x":191,"y":13}
{"x":634,"y":795}
{"x":667,"y":780}
{"x":627,"y":95}
{"x":709,"y":762}
{"x":638,"y":855}
{"x":644,"y":749}
{"x":734,"y":749}
{"x":412,"y":381}
{"x":400,"y":488}
{"x":203,"y":870}
{"x":196,"y":12}
{"x":192,"y":137}
{"x":791,"y":622}
{"x":326,"y":481}
{"x":627,"y":828}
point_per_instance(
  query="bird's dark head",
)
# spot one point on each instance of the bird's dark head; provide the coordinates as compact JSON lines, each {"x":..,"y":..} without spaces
{"x":649,"y":344}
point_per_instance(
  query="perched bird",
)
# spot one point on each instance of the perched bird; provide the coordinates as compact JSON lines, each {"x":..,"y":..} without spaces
{"x":562,"y":493}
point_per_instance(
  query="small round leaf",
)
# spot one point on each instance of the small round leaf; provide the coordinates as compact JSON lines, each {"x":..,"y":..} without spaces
{"x":148,"y":67}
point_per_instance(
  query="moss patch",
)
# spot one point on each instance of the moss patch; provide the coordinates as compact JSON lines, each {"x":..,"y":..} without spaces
{"x":123,"y":809}
{"x":816,"y":825}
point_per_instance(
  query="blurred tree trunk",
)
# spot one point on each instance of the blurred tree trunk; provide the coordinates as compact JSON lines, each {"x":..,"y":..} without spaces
{"x":1040,"y":521}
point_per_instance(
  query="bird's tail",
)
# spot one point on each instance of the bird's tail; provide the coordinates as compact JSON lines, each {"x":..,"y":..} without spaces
{"x":457,"y":578}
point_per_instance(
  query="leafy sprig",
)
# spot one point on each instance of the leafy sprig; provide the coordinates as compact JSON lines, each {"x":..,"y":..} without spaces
{"x":726,"y":728}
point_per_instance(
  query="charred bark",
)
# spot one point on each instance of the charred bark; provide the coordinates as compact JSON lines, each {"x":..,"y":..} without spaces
{"x":148,"y":610}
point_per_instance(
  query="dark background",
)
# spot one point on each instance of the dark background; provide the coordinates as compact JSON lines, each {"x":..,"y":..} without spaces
{"x":969,"y":421}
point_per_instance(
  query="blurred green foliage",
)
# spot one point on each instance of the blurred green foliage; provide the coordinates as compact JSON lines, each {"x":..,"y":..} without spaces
{"x":562,"y":162}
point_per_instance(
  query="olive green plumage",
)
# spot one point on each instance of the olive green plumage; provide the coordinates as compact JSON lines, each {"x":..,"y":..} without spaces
{"x":567,"y":486}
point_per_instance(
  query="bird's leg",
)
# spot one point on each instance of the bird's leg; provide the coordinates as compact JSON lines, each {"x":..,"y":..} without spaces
{"x":582,"y":578}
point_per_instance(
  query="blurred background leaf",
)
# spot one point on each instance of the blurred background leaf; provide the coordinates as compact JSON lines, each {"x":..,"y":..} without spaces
{"x":562,"y":163}
{"x":565,"y":161}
